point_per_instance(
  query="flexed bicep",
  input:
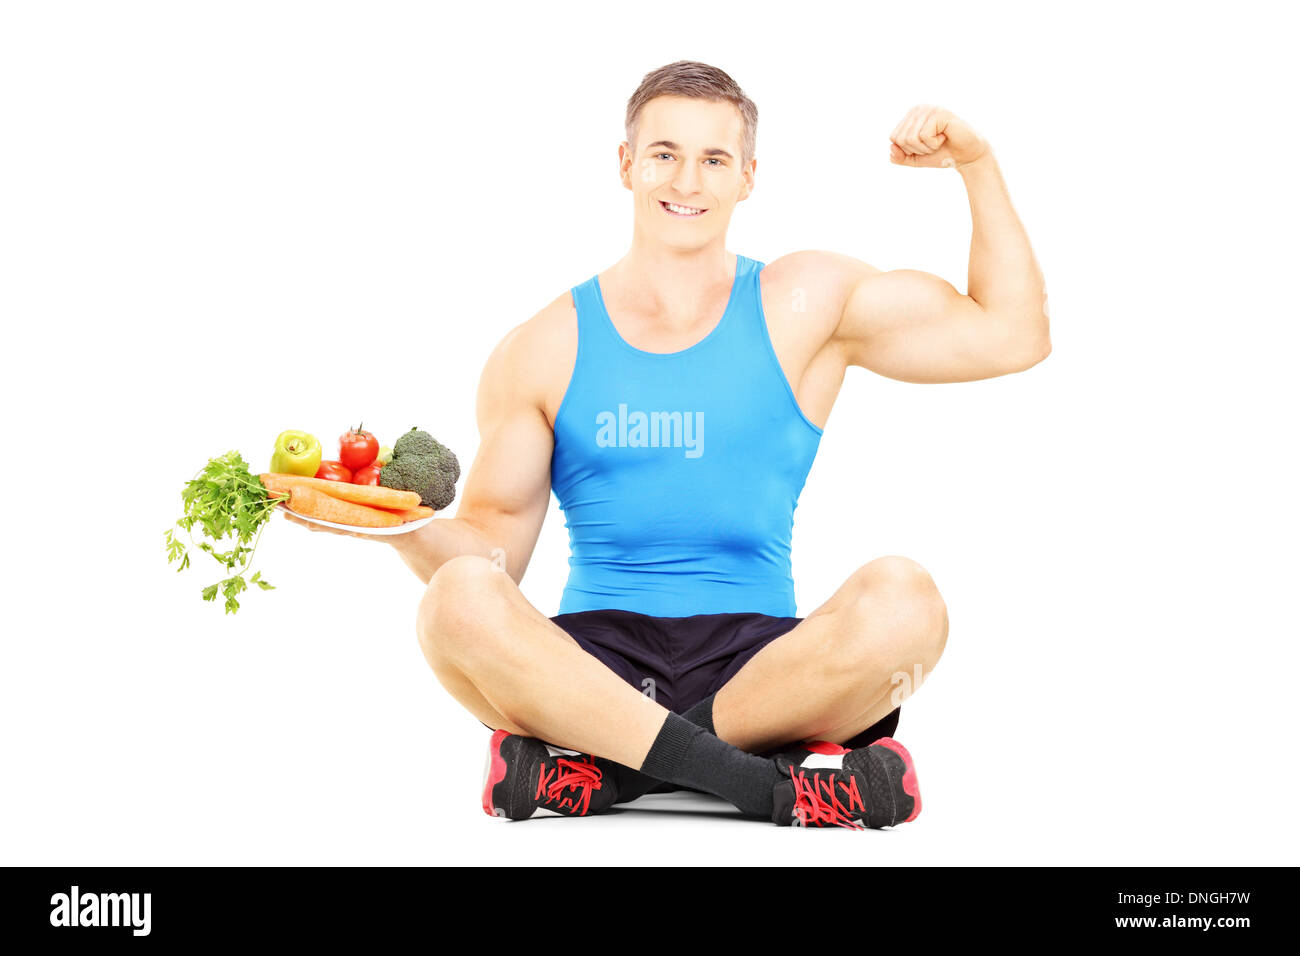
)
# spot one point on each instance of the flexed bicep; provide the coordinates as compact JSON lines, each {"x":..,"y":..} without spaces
{"x":916,"y":327}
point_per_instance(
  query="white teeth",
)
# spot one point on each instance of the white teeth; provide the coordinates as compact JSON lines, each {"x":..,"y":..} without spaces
{"x":683,"y":210}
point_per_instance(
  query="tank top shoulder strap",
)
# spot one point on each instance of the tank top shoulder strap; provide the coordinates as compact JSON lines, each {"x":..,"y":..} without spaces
{"x":748,"y":277}
{"x":586,"y":300}
{"x":596,"y":337}
{"x":747,"y":305}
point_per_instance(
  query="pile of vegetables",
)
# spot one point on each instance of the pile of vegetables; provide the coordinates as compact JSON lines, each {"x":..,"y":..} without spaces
{"x":360,"y":457}
{"x":367,"y":487}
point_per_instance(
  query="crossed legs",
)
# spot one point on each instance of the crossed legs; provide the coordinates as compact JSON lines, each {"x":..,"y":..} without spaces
{"x":828,"y":679}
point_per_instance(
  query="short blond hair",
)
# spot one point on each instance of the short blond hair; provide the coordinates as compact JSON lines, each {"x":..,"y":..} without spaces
{"x":698,"y":81}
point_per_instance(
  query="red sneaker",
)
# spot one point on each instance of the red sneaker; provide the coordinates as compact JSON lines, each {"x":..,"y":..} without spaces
{"x":527,"y":778}
{"x":868,"y":788}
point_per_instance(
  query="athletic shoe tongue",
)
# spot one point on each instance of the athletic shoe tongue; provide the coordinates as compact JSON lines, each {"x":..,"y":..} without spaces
{"x":820,"y":798}
{"x":568,"y":782}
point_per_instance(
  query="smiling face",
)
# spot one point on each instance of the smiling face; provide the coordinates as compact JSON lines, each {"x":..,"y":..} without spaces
{"x":686,"y":170}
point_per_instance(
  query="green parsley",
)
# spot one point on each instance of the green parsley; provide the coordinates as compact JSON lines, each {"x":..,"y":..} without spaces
{"x":226,"y":501}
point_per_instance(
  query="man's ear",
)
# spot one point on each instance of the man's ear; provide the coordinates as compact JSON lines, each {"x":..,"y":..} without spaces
{"x":748,"y":178}
{"x":625,"y":164}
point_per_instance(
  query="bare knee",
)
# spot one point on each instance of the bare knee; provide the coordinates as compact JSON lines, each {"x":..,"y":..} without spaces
{"x":460,"y":598}
{"x":901,"y":592}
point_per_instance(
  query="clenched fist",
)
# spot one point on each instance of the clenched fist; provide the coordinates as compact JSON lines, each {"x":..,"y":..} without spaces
{"x":933,"y":136}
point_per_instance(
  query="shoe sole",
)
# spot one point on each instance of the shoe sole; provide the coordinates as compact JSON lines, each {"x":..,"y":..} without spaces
{"x":494,"y":773}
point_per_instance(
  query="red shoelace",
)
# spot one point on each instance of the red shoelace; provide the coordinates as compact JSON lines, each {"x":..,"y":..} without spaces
{"x":568,"y":775}
{"x":817,"y":804}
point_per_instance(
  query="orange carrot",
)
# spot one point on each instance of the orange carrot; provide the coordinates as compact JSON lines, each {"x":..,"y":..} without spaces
{"x":375,"y":496}
{"x":311,"y":503}
{"x":411,"y":514}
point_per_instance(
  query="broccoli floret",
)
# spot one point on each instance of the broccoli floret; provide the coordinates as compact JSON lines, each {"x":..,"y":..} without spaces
{"x":415,"y":442}
{"x":408,"y":473}
{"x":447,"y":462}
{"x":440,"y":492}
{"x":423,"y":465}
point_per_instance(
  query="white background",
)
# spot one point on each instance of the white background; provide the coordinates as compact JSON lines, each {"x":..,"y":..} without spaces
{"x":220,"y":221}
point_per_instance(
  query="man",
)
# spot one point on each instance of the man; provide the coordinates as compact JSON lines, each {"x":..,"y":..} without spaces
{"x":674,"y":403}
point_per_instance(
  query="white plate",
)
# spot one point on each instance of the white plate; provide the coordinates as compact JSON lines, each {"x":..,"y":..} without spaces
{"x":406,"y":528}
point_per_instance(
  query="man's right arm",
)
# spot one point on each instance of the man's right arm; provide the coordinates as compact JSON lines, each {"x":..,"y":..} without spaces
{"x":508,"y":487}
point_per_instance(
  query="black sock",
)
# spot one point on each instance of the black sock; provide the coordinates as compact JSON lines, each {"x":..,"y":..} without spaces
{"x":633,"y":783}
{"x":690,"y":756}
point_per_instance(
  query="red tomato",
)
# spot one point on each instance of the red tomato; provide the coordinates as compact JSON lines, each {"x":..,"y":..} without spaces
{"x":357,"y":448}
{"x":368,"y":475}
{"x":333,"y":471}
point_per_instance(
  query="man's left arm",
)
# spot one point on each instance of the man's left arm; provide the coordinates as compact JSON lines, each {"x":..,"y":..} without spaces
{"x":916,"y":327}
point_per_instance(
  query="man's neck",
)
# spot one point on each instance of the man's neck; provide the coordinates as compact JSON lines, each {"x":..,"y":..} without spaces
{"x":669,"y":282}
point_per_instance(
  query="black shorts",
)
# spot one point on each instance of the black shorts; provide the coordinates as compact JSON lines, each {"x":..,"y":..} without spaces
{"x":679,"y":661}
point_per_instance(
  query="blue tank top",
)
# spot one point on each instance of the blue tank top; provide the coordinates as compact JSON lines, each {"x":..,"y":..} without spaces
{"x":678,"y":473}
